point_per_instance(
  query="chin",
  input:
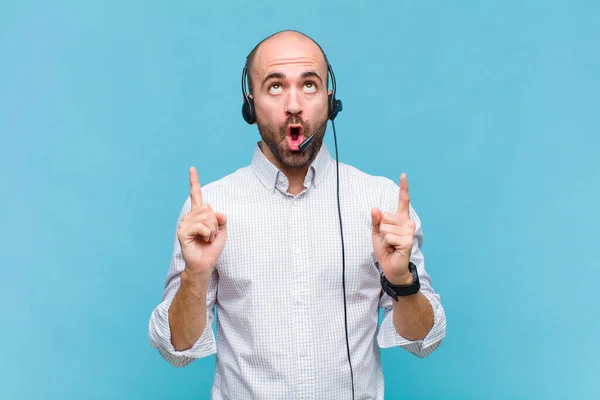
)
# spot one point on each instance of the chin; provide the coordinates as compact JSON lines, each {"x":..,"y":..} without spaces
{"x":295,"y":159}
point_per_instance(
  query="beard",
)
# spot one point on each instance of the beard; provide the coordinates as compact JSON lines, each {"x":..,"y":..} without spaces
{"x":276,"y":139}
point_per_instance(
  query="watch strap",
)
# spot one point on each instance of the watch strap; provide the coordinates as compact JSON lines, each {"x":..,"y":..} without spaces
{"x":395,"y":291}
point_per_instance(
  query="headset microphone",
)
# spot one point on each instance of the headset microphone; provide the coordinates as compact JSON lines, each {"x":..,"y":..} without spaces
{"x":303,"y":146}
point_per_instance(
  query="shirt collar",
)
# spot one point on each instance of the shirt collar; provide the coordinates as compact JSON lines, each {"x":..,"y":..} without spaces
{"x":272,"y":177}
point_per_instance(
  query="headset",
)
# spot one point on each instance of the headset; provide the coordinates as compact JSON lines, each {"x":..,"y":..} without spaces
{"x":334,"y":107}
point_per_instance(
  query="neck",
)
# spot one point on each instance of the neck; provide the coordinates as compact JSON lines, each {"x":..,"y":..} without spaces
{"x":296,"y":178}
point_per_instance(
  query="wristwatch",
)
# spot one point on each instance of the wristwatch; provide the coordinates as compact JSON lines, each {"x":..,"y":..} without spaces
{"x":395,"y":291}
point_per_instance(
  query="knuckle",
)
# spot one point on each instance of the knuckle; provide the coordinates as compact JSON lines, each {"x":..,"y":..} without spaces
{"x":205,"y":208}
{"x":206,"y":219}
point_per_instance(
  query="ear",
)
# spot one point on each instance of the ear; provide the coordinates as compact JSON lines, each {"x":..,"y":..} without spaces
{"x":330,"y":92}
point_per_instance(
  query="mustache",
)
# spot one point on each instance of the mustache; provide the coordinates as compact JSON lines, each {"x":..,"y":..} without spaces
{"x":293,"y":120}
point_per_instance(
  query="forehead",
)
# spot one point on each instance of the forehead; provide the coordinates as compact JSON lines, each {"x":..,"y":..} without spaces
{"x":288,"y":51}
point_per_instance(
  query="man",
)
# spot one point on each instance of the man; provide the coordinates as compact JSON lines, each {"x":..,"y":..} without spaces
{"x":263,"y":247}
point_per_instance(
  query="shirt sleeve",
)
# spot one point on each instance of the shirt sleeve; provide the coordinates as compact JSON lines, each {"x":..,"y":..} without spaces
{"x":387,"y":335}
{"x":159,"y":330}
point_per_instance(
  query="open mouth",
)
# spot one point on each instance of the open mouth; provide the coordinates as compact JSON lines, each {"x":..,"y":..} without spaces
{"x":295,"y":136}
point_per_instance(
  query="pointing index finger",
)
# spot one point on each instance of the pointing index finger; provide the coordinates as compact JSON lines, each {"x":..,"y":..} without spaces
{"x":195,"y":191}
{"x":404,"y":197}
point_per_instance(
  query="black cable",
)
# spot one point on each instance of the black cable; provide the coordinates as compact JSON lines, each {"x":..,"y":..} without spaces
{"x":337,"y":164}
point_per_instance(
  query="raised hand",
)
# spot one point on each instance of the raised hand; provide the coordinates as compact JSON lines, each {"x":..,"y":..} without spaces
{"x":201,"y":233}
{"x":392,"y":238}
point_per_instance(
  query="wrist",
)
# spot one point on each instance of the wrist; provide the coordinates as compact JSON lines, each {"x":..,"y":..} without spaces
{"x":400,"y":280}
{"x":402,"y":276}
{"x":399,"y":285}
{"x":195,"y":283}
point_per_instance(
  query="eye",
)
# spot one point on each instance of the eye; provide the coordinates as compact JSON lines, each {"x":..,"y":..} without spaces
{"x":275,"y":88}
{"x":310,"y":87}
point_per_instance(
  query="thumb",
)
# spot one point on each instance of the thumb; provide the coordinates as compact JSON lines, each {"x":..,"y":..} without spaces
{"x":222,"y":220}
{"x":376,"y":216}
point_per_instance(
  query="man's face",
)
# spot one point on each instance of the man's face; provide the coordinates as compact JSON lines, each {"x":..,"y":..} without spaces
{"x":289,"y":78}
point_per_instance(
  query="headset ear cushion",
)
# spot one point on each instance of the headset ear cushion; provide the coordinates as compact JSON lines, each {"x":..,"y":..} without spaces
{"x":335,"y":106}
{"x":248,"y":111}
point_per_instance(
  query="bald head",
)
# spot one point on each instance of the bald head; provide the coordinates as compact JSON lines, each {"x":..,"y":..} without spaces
{"x":285,"y":44}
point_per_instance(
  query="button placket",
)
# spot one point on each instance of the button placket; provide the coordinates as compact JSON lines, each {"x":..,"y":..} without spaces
{"x":299,"y":257}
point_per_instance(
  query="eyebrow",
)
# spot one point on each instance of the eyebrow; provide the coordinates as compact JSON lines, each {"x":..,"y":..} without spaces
{"x":312,"y":74}
{"x":279,"y":75}
{"x":272,"y":75}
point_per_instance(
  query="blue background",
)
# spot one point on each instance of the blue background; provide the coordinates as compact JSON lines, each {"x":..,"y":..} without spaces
{"x":490,"y":107}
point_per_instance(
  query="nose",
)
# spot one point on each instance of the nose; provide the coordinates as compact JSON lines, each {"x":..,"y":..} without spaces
{"x":293,"y":105}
